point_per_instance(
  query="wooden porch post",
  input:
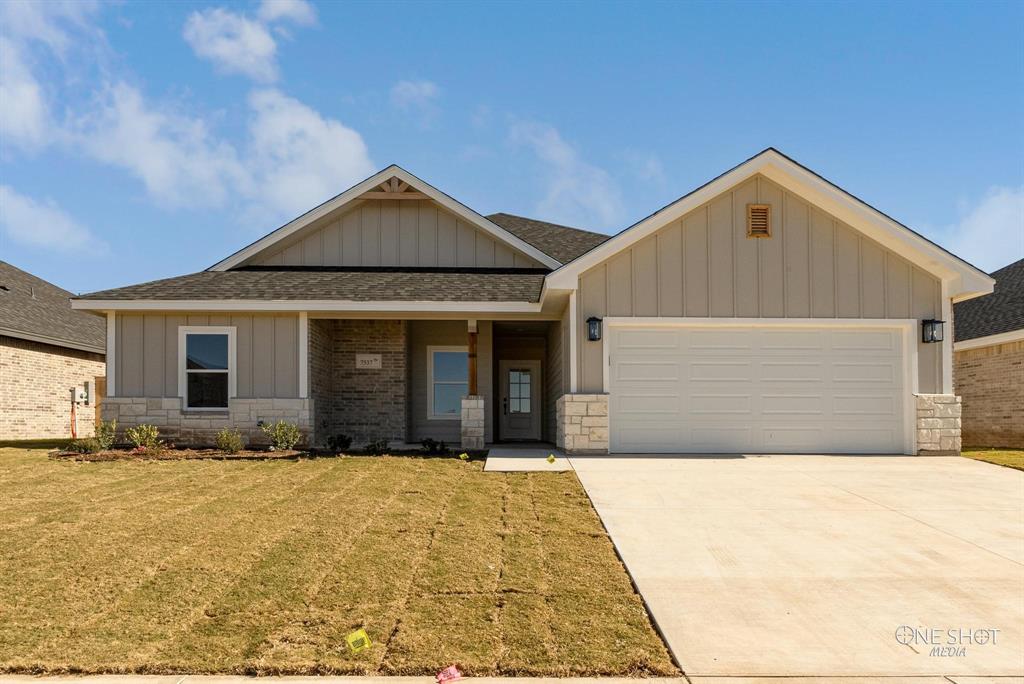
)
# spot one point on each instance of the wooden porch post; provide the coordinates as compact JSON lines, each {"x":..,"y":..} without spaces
{"x":472,"y":359}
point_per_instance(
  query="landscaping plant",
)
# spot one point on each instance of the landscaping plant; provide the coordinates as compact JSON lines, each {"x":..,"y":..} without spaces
{"x":89,"y":445}
{"x":377,"y":447}
{"x":143,"y":436}
{"x":432,"y":447}
{"x":230,"y":441}
{"x":106,"y":432}
{"x":283,"y":435}
{"x":339,"y":442}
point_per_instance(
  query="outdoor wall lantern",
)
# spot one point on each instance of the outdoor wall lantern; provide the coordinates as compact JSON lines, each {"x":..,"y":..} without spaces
{"x":931,"y":330}
{"x":593,"y":328}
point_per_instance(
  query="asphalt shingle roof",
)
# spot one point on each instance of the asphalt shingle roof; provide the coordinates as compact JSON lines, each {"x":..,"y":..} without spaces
{"x":999,"y":312}
{"x":486,"y":285}
{"x":559,"y":242}
{"x":31,"y":308}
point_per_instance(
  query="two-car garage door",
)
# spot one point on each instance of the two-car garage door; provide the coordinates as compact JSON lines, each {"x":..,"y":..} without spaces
{"x":703,"y":388}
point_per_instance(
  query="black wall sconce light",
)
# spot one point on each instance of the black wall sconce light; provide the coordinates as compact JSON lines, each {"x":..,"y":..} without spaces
{"x":593,"y":328}
{"x":931,"y":330}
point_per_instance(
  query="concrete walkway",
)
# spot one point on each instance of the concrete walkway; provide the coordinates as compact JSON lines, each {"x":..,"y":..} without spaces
{"x":524,"y":459}
{"x":810,"y":565}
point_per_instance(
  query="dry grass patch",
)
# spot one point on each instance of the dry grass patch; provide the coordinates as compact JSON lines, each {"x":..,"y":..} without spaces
{"x":1011,"y":458}
{"x":263,"y":567}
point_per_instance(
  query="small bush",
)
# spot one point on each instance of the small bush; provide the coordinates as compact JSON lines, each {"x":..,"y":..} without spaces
{"x":377,"y":448}
{"x":143,"y":436}
{"x":89,"y":445}
{"x":229,"y":441}
{"x":432,"y":447}
{"x":339,"y":442}
{"x":283,"y":435}
{"x":106,"y":432}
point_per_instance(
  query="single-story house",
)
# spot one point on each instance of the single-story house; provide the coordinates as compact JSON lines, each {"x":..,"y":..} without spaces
{"x":766,"y":311}
{"x":988,"y":362}
{"x":50,"y":357}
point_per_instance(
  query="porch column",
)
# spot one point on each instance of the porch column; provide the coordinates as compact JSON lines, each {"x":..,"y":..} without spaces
{"x":471,"y":428}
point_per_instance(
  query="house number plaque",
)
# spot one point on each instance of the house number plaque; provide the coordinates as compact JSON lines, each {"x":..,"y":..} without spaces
{"x":368,"y":361}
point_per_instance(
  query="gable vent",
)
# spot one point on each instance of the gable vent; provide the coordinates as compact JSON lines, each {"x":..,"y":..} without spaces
{"x":759,"y":220}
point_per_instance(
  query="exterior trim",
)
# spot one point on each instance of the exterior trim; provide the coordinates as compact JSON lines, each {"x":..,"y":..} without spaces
{"x":574,"y":352}
{"x":353,"y":194}
{"x":310,"y":305}
{"x":908,"y":326}
{"x":947,"y":339}
{"x":229,"y":330}
{"x":111,"y":356}
{"x":968,"y":280}
{"x":430,"y":380}
{"x":52,"y":341}
{"x":303,"y":355}
{"x":990,"y":340}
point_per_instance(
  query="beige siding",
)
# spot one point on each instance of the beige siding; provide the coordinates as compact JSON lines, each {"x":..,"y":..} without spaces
{"x":394,"y":233}
{"x":267,"y":348}
{"x":704,"y":265}
{"x":452,"y":333}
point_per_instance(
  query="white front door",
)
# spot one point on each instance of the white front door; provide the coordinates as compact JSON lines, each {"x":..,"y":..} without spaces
{"x":520,"y":400}
{"x":693,"y":388}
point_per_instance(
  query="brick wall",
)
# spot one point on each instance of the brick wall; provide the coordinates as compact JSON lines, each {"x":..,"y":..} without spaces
{"x":368,"y":404}
{"x":990,"y":381}
{"x":35,"y":383}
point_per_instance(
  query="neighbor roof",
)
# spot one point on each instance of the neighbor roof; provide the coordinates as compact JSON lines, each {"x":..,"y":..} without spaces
{"x":33,"y":309}
{"x":560,"y":242}
{"x":999,"y":312}
{"x":356,"y":284}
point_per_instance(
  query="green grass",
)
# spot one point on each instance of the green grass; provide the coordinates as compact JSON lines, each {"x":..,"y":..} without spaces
{"x":1011,"y":458}
{"x":263,"y":567}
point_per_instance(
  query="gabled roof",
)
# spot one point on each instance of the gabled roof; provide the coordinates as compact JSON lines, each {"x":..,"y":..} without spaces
{"x":370,"y":185}
{"x":963,"y":279}
{"x":561,"y":242}
{"x":33,"y":309}
{"x":994,"y":314}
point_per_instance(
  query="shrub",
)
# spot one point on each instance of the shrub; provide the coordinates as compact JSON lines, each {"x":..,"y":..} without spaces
{"x":229,"y":441}
{"x":283,"y":435}
{"x":377,"y":447}
{"x":143,"y":436}
{"x":432,"y":447}
{"x":339,"y":442}
{"x":106,"y":432}
{"x":89,"y":445}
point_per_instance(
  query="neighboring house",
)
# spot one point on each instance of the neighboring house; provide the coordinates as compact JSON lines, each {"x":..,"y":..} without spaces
{"x":46,"y":351}
{"x":766,"y":311}
{"x":988,"y":367}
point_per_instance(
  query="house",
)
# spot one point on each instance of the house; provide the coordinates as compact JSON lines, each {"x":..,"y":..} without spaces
{"x":988,"y":362}
{"x":766,"y":311}
{"x":47,"y":350}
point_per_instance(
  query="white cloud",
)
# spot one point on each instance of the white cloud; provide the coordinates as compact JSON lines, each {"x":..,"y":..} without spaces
{"x":234,"y":43}
{"x":297,"y":11}
{"x":418,"y":97}
{"x":298,"y":157}
{"x":175,"y":156}
{"x":46,"y":22}
{"x":42,"y":224}
{"x":990,"y":234}
{"x":646,"y":167}
{"x":578,"y":193}
{"x":24,"y":114}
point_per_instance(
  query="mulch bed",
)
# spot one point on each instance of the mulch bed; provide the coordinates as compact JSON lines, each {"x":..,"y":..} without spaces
{"x":186,"y":454}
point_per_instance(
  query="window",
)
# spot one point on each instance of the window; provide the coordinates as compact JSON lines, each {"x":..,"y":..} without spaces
{"x":206,"y":366}
{"x":519,"y":390}
{"x":447,"y":382}
{"x":759,"y":220}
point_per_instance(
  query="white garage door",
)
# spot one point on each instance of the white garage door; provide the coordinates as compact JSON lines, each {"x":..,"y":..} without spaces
{"x":774,"y":389}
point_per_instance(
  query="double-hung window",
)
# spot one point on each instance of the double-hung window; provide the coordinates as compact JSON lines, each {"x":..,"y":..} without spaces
{"x":447,"y":381}
{"x":206,"y":366}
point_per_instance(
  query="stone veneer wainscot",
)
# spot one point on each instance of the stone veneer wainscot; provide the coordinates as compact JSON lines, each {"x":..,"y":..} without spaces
{"x":582,"y":423}
{"x":938,"y":424}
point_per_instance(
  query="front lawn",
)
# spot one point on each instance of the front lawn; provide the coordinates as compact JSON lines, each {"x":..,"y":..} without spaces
{"x":265,"y":566}
{"x":1011,"y":458}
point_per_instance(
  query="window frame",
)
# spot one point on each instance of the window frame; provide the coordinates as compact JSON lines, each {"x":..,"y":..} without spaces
{"x":431,"y":349}
{"x":183,"y":332}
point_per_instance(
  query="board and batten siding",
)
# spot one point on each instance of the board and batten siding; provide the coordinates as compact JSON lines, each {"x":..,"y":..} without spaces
{"x":395,"y":233}
{"x":704,"y":265}
{"x":147,"y":353}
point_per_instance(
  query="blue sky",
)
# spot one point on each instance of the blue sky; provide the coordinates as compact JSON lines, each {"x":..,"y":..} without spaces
{"x":140,"y":140}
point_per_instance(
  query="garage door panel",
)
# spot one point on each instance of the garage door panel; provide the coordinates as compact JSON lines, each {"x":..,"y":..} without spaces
{"x":796,"y":389}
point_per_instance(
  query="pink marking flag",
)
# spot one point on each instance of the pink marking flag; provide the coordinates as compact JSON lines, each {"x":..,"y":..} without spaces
{"x":448,"y":674}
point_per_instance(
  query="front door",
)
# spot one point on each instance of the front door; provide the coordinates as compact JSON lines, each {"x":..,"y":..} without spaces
{"x":520,"y":400}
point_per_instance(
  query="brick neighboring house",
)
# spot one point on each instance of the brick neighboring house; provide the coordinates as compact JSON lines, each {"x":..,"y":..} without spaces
{"x":988,"y":366}
{"x":46,"y":349}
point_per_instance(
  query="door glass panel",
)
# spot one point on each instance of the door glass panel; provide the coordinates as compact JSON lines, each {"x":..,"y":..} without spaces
{"x":519,"y":391}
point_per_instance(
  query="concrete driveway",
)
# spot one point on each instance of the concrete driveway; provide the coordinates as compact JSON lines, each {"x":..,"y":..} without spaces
{"x":810,"y":565}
